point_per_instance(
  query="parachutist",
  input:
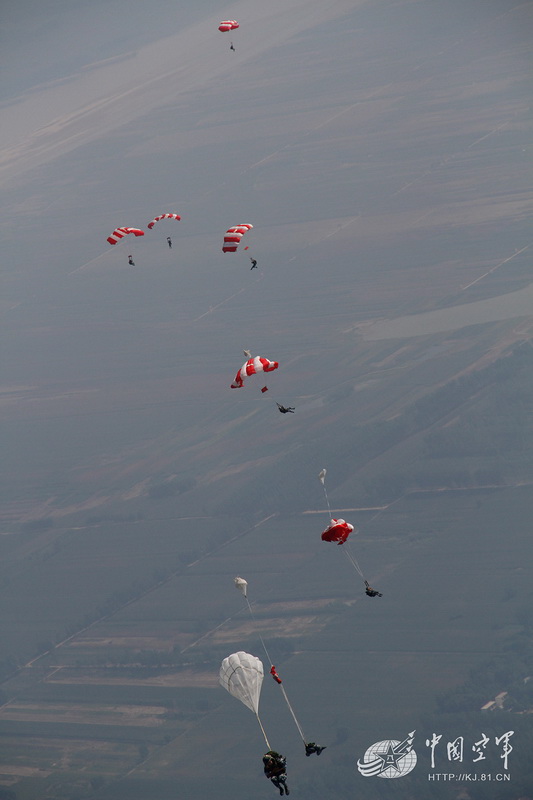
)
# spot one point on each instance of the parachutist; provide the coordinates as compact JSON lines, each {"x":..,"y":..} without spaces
{"x":254,"y":263}
{"x":169,"y":242}
{"x":311,"y":748}
{"x":283,"y":410}
{"x":275,"y":768}
{"x":231,"y":47}
{"x":131,"y":262}
{"x":370,"y":591}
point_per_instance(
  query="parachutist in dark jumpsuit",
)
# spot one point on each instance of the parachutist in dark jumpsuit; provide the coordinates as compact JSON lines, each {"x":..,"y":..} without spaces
{"x":169,"y":240}
{"x":254,"y":263}
{"x":231,"y":47}
{"x":311,"y":748}
{"x":275,"y":768}
{"x":131,"y":262}
{"x":283,"y":410}
{"x":370,"y":591}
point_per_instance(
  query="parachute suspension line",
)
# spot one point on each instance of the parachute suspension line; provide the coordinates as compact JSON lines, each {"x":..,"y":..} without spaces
{"x":263,"y":732}
{"x":327,"y":499}
{"x":351,"y":558}
{"x":260,"y":637}
{"x":300,"y":731}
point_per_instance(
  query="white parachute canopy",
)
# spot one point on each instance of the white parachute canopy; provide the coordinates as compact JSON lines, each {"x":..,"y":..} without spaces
{"x":241,"y":585}
{"x":241,"y":674}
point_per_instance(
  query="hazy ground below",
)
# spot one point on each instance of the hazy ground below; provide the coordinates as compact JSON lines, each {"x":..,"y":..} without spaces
{"x":382,"y":153}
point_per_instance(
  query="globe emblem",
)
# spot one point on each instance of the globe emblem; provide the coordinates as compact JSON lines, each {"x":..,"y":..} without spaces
{"x":389,"y":758}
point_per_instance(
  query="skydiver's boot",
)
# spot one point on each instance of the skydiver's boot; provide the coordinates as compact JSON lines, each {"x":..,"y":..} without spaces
{"x":319,"y":750}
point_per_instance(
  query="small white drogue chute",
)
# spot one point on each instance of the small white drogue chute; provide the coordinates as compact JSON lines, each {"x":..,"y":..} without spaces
{"x":241,"y":585}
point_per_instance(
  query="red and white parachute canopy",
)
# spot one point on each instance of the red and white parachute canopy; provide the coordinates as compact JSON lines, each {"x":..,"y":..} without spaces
{"x":228,"y":25}
{"x":251,"y":367}
{"x":163,"y":216}
{"x":337,"y":531}
{"x":233,"y":236}
{"x":119,"y":234}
